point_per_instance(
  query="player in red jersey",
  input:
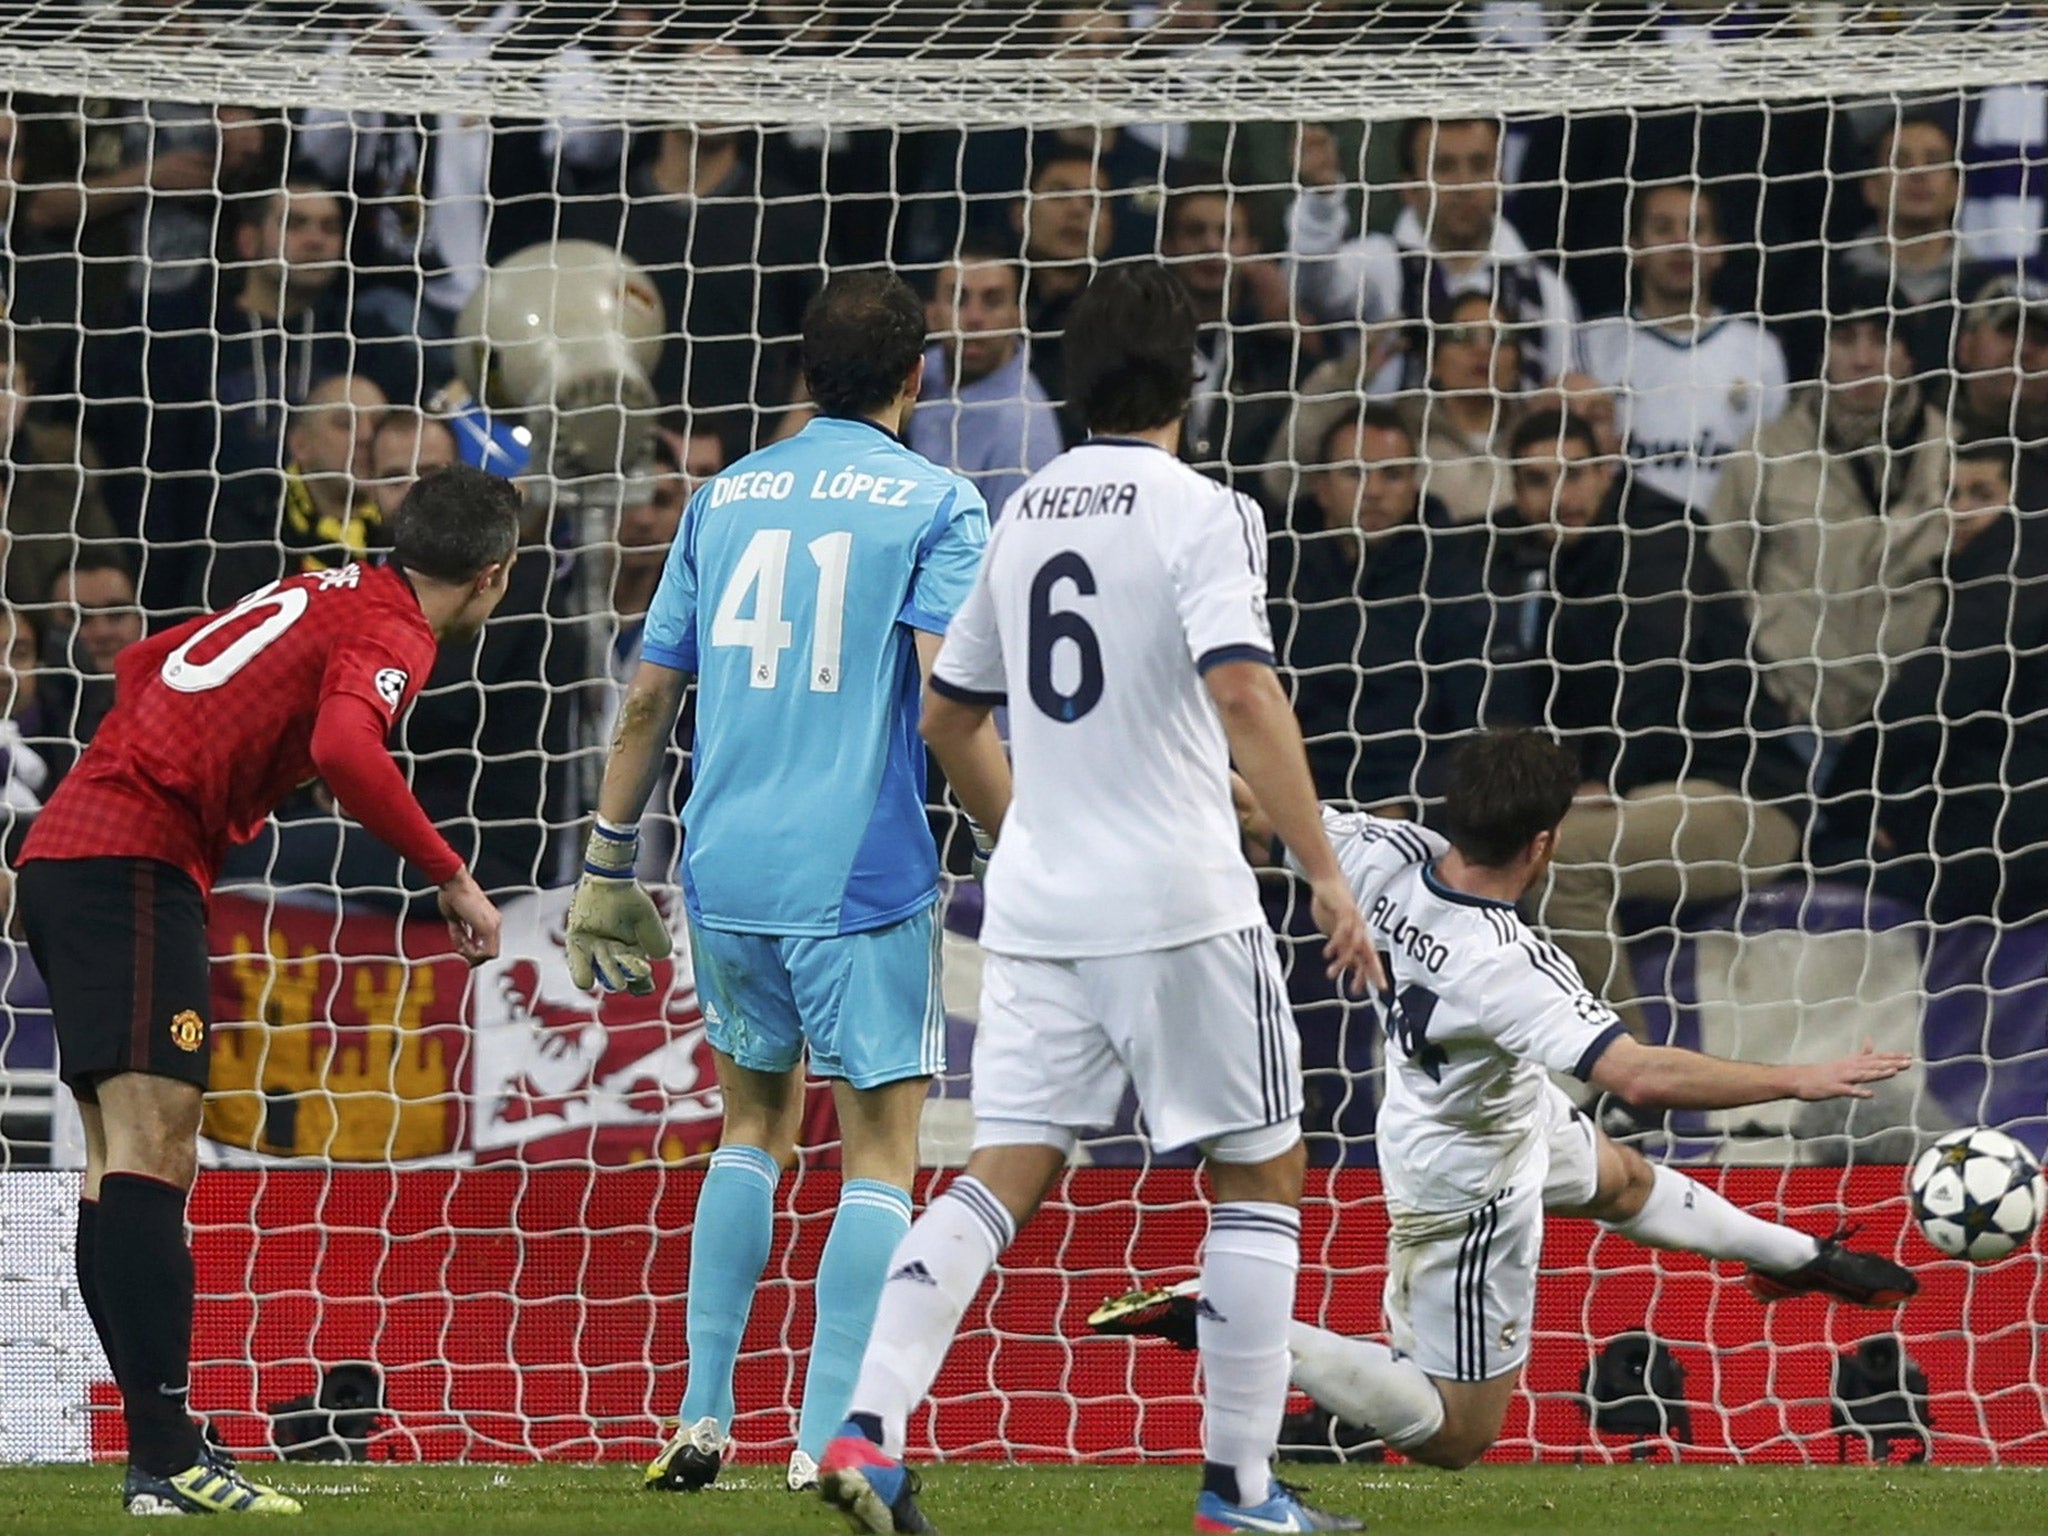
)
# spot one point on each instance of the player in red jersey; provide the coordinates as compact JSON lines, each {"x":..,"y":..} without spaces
{"x":215,"y":722}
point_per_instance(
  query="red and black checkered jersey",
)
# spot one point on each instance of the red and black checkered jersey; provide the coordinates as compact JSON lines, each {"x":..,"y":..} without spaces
{"x":216,"y":721}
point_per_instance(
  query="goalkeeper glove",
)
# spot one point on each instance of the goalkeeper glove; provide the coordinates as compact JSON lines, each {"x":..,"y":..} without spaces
{"x":616,"y":933}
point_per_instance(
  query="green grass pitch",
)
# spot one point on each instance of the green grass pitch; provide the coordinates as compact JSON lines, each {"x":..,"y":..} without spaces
{"x":980,"y":1500}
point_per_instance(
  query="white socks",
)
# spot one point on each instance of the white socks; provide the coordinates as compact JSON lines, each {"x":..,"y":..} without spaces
{"x":934,"y":1274}
{"x":1366,"y":1383}
{"x":1248,"y":1271}
{"x":1686,"y":1215}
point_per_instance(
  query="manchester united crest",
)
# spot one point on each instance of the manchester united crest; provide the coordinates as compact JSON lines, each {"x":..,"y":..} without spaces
{"x":188,"y":1031}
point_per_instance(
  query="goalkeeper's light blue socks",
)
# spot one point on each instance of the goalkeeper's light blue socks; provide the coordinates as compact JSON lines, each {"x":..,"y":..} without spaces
{"x":729,"y":1241}
{"x":872,"y":1219}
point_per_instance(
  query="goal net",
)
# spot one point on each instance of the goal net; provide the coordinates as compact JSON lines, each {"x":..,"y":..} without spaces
{"x":1667,"y":375}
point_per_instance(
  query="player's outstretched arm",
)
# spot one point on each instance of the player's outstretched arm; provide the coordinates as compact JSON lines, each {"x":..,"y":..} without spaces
{"x":1265,"y":743}
{"x":616,"y":933}
{"x":1668,"y":1077}
{"x":962,"y":736}
{"x":349,"y":752}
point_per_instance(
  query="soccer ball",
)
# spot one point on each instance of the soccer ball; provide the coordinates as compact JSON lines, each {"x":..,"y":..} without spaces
{"x":1977,"y":1194}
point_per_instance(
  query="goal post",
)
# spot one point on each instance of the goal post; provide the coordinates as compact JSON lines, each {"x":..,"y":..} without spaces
{"x":483,"y":1186}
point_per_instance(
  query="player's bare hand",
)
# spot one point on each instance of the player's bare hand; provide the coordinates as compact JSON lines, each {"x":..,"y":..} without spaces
{"x":473,"y":922}
{"x":1352,"y":959}
{"x":1847,"y":1077}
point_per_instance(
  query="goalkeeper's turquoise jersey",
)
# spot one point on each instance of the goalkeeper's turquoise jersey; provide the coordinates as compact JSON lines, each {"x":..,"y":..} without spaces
{"x":792,"y":591}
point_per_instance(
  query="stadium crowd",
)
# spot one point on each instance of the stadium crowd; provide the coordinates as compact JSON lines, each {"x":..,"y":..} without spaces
{"x":1622,"y":426}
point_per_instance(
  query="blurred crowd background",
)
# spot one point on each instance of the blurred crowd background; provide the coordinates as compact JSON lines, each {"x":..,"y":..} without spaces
{"x":1714,"y":439}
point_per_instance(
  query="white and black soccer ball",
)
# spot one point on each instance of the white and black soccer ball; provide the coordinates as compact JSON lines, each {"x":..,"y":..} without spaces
{"x":1977,"y":1194}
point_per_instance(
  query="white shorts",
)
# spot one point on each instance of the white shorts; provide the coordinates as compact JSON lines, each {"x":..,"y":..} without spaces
{"x":1203,"y":1032}
{"x":1574,"y":1146}
{"x":1461,"y":1287}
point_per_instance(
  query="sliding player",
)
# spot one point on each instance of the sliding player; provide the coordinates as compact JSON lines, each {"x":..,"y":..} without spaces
{"x":214,"y":723}
{"x":1477,"y":1143}
{"x":1121,"y":612}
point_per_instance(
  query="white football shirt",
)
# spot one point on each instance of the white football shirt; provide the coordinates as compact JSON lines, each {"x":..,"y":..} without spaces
{"x":1684,"y":403}
{"x":1115,"y":577}
{"x":1482,"y":1011}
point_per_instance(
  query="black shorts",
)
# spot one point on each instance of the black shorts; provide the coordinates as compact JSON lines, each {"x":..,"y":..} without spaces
{"x":121,"y":944}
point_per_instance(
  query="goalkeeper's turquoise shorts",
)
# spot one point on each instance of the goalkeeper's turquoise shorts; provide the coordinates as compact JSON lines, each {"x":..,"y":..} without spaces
{"x":867,"y":1005}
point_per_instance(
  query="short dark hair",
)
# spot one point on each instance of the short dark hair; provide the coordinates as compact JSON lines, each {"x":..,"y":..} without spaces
{"x":1505,"y":787}
{"x":1048,"y":152}
{"x":1540,"y":428}
{"x":299,"y":184}
{"x":863,"y":334}
{"x":1943,"y":123}
{"x":982,"y":249}
{"x":455,"y":522}
{"x":1640,"y":195}
{"x":30,"y":623}
{"x":1191,"y":182}
{"x":1372,"y":417}
{"x":91,"y":557}
{"x":1130,"y":349}
{"x":1415,"y":127}
{"x":2000,"y":452}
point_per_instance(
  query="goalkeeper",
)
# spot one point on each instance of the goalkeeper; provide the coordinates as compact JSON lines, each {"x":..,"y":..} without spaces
{"x":807,"y":591}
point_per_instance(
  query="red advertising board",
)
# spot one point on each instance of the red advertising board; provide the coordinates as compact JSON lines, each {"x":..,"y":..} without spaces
{"x":520,"y":1311}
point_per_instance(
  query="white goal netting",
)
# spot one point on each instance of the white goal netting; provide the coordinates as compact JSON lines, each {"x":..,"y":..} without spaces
{"x":1673,"y":376}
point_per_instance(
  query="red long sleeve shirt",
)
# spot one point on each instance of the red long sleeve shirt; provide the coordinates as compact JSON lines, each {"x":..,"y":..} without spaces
{"x":216,"y":721}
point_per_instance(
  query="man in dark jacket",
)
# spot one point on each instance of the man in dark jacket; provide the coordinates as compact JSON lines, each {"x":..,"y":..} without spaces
{"x":221,"y":374}
{"x":1691,"y":790}
{"x":1378,"y":617}
{"x":1245,"y":357}
{"x":1950,"y":778}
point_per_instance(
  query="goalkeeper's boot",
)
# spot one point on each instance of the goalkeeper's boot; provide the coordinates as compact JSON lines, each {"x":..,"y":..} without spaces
{"x":691,"y":1458}
{"x":1282,"y":1511}
{"x":802,"y":1476}
{"x":207,"y":1487}
{"x":1844,"y":1273}
{"x":1161,"y":1312}
{"x":875,"y":1491}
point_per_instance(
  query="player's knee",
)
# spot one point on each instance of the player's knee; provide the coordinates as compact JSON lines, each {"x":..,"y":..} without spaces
{"x":1019,"y":1174}
{"x":1273,"y":1179}
{"x":1452,"y":1454}
{"x":1457,"y":1445}
{"x":776,"y":1143}
{"x":1625,"y":1186}
{"x":158,"y":1151}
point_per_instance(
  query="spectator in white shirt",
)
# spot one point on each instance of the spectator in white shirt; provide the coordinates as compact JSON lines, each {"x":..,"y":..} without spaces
{"x":1451,"y":239}
{"x":1693,"y":383}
